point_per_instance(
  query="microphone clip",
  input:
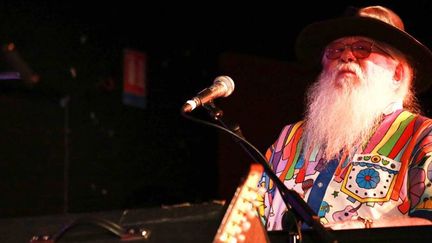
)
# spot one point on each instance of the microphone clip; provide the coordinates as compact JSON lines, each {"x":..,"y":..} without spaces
{"x":215,"y":112}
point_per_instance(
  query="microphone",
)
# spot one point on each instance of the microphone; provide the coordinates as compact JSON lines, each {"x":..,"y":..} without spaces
{"x":222,"y":86}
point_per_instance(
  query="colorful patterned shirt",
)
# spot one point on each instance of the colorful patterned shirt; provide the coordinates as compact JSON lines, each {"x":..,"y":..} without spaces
{"x":390,"y":175}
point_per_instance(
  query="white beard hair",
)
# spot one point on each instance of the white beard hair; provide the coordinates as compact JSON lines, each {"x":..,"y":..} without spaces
{"x":342,"y":113}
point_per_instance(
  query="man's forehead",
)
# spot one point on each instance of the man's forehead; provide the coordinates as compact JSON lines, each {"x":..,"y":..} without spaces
{"x":350,"y":39}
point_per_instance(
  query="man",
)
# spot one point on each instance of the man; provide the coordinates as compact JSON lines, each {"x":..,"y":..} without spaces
{"x":362,"y":155}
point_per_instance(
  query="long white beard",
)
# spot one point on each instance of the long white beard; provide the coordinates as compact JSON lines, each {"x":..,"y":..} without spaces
{"x":342,"y":113}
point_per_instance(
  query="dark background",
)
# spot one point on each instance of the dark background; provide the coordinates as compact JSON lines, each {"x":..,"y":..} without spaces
{"x":68,"y":144}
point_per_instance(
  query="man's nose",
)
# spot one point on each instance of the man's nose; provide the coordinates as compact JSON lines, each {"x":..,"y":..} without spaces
{"x":347,"y":55}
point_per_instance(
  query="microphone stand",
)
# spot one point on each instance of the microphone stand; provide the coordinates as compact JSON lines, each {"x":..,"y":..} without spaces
{"x":291,"y":198}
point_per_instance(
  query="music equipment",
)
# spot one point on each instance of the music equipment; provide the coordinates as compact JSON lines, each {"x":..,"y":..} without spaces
{"x":241,"y":222}
{"x":222,"y":86}
{"x":168,"y":223}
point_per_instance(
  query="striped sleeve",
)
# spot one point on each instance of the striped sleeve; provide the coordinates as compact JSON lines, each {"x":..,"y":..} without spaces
{"x":420,"y":173}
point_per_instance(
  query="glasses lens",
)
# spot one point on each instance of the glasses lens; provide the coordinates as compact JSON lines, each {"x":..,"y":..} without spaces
{"x":335,"y":50}
{"x":361,"y":49}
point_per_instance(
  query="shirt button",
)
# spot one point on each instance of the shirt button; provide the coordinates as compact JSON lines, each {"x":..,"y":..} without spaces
{"x":320,"y":184}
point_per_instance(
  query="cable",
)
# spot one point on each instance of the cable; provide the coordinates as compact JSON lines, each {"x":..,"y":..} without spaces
{"x":228,"y":131}
{"x":117,"y":230}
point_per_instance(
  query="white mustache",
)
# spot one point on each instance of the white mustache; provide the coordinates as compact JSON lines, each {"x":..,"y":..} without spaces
{"x":355,"y":68}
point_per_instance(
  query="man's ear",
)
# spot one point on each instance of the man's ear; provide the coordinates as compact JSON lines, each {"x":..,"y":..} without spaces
{"x":399,"y":74}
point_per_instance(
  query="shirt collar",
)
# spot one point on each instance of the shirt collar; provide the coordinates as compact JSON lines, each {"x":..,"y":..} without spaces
{"x":393,"y":106}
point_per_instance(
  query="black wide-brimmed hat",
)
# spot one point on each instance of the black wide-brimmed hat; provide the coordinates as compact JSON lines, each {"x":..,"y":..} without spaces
{"x":375,"y":22}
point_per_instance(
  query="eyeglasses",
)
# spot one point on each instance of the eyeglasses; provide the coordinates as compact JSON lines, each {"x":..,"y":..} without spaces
{"x":360,"y":49}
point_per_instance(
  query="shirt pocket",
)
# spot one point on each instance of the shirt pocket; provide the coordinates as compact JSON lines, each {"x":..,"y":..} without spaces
{"x":370,"y":178}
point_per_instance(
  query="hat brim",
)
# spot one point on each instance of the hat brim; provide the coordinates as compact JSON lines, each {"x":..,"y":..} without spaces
{"x":313,"y":39}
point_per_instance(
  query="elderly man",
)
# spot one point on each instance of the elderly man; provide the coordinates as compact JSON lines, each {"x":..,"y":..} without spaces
{"x":363,"y":152}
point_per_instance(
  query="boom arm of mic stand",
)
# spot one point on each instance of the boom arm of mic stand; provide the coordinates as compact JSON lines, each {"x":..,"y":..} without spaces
{"x":290,"y":197}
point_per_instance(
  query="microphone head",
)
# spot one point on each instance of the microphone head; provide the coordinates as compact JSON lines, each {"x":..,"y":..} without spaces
{"x":227,"y":82}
